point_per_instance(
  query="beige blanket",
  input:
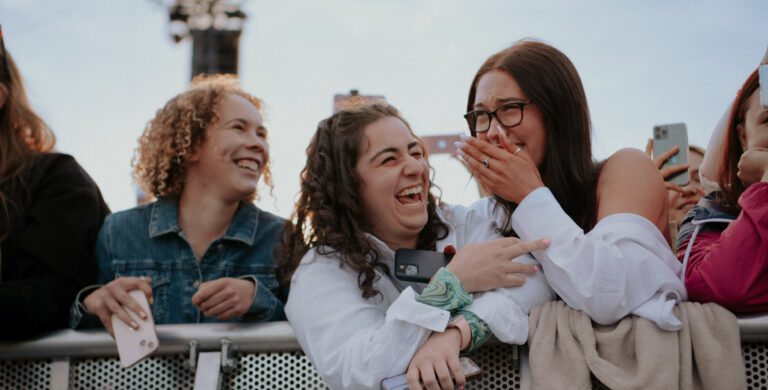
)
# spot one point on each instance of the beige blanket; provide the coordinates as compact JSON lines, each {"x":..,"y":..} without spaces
{"x":565,"y":346}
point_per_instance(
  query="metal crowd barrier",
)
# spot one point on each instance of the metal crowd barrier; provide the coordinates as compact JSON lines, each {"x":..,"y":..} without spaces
{"x":246,"y":356}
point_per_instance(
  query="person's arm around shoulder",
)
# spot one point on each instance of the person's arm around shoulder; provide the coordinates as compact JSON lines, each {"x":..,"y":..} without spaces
{"x":630,"y":183}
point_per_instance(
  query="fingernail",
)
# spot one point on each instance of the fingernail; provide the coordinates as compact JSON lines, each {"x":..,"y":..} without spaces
{"x":134,"y":325}
{"x":151,"y":300}
{"x":546,"y":241}
{"x":535,"y":268}
{"x":143,"y":316}
{"x":462,"y":154}
{"x":464,"y":136}
{"x":459,"y":144}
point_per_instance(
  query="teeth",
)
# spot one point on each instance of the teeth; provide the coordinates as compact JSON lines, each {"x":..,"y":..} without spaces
{"x":410,"y":191}
{"x":249,"y":164}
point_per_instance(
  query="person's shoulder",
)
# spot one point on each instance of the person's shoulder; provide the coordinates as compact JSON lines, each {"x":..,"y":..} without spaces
{"x":134,"y":216}
{"x":630,"y":167}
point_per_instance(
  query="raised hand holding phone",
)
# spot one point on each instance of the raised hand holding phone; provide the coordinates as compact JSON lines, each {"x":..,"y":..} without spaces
{"x":133,"y":345}
{"x":670,"y":152}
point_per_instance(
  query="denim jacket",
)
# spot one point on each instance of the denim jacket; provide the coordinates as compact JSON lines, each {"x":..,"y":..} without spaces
{"x":148,"y":241}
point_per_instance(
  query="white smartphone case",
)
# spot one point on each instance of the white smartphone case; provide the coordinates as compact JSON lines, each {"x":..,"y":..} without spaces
{"x":763,"y":74}
{"x":135,"y":345}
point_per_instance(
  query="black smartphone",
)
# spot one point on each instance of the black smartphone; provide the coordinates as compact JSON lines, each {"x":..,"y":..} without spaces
{"x":413,"y":265}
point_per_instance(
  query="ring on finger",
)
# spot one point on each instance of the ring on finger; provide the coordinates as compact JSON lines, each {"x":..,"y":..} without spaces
{"x":518,"y":150}
{"x":485,"y":162}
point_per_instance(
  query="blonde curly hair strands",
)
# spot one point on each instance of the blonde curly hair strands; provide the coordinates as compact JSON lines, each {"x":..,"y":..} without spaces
{"x":178,"y":129}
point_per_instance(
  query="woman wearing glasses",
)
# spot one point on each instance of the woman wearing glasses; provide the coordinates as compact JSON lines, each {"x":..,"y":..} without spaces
{"x":50,"y":214}
{"x":530,"y":146}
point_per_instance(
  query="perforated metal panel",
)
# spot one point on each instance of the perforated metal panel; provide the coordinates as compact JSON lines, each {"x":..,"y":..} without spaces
{"x":288,"y":370}
{"x":159,"y":372}
{"x":756,"y":363}
{"x":25,"y":374}
{"x":499,"y":371}
{"x":285,"y":370}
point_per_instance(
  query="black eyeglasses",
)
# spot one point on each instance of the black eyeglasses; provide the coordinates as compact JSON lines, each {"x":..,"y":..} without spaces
{"x":6,"y":66}
{"x":509,"y":115}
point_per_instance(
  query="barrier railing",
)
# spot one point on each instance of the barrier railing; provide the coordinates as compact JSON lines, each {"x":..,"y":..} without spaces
{"x":245,"y":356}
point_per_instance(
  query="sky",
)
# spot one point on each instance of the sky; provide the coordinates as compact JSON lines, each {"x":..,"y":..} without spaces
{"x":96,"y":71}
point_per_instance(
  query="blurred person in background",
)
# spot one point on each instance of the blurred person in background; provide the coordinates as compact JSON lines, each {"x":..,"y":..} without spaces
{"x":50,"y":214}
{"x":723,"y":241}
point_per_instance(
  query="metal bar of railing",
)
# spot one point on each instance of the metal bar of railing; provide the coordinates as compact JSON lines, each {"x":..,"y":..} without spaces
{"x":263,"y":337}
{"x":174,"y":339}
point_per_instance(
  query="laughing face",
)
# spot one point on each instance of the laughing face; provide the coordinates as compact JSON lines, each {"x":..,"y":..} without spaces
{"x":235,"y":151}
{"x":394,"y":182}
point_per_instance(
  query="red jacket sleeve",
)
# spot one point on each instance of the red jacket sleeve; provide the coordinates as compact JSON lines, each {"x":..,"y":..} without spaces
{"x":731,"y":267}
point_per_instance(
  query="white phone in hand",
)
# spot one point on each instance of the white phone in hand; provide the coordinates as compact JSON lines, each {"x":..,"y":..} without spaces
{"x":135,"y":345}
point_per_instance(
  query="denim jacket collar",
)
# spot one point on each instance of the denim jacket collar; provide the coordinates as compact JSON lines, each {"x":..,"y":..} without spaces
{"x":165,"y":220}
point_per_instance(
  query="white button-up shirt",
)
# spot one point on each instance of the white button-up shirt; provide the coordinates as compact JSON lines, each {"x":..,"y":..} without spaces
{"x":623,"y":265}
{"x":355,"y":343}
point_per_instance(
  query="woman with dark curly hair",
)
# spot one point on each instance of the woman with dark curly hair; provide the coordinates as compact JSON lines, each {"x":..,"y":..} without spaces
{"x":530,"y":146}
{"x":202,"y":252}
{"x":50,"y":214}
{"x":365,"y":193}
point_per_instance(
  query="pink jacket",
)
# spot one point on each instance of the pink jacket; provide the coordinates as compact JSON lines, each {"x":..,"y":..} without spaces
{"x":728,"y":262}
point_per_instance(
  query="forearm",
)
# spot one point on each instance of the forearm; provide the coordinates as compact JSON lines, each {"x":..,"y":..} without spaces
{"x":623,"y":262}
{"x":266,"y":306}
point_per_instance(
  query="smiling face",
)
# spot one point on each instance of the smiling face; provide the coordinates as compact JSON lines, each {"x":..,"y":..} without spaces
{"x":394,"y":182}
{"x":234,"y":153}
{"x":497,"y":88}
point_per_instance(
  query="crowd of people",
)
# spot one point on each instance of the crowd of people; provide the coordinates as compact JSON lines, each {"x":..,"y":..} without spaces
{"x":558,"y":225}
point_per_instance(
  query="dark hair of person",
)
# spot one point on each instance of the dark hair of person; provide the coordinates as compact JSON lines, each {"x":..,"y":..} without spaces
{"x":551,"y":82}
{"x":23,"y":135}
{"x":328,"y":216}
{"x":730,"y":185}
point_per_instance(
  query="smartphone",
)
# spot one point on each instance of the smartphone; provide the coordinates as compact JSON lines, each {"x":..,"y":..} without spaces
{"x":399,"y":382}
{"x":666,"y":137}
{"x":135,"y":345}
{"x":437,"y":144}
{"x":763,"y":74}
{"x":413,"y":265}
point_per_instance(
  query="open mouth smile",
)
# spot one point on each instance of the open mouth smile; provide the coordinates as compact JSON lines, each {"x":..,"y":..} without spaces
{"x":410,"y":195}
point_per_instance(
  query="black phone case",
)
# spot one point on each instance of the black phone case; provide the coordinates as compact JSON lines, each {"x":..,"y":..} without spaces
{"x":413,"y":265}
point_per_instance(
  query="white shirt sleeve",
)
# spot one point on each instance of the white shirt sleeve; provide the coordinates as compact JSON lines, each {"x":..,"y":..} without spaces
{"x":624,"y":265}
{"x":353,"y":342}
{"x":505,"y":310}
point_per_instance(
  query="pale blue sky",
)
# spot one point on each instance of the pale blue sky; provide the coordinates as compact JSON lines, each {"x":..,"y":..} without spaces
{"x":97,"y":71}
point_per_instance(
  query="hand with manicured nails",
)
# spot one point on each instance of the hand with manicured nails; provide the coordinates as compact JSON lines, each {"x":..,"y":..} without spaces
{"x":508,"y":175}
{"x":113,"y":298}
{"x":753,"y":166}
{"x":434,"y":362}
{"x":224,"y":298}
{"x":488,"y":266}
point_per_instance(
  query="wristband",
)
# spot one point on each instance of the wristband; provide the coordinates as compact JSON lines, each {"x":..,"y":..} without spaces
{"x":481,"y":333}
{"x":446,"y":292}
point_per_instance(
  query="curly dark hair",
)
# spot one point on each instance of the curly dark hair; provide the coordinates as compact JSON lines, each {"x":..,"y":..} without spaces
{"x":328,"y":216}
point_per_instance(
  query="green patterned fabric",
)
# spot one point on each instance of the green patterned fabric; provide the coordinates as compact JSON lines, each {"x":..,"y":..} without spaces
{"x":481,"y":333}
{"x":445,"y":292}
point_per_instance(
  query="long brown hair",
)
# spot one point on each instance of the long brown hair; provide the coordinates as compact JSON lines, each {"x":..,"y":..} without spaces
{"x":551,"y":81}
{"x":730,"y":185}
{"x":23,"y":135}
{"x":327,"y":215}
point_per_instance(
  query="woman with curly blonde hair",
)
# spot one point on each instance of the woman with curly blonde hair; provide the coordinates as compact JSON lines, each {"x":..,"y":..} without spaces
{"x":50,"y":214}
{"x":202,"y":252}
